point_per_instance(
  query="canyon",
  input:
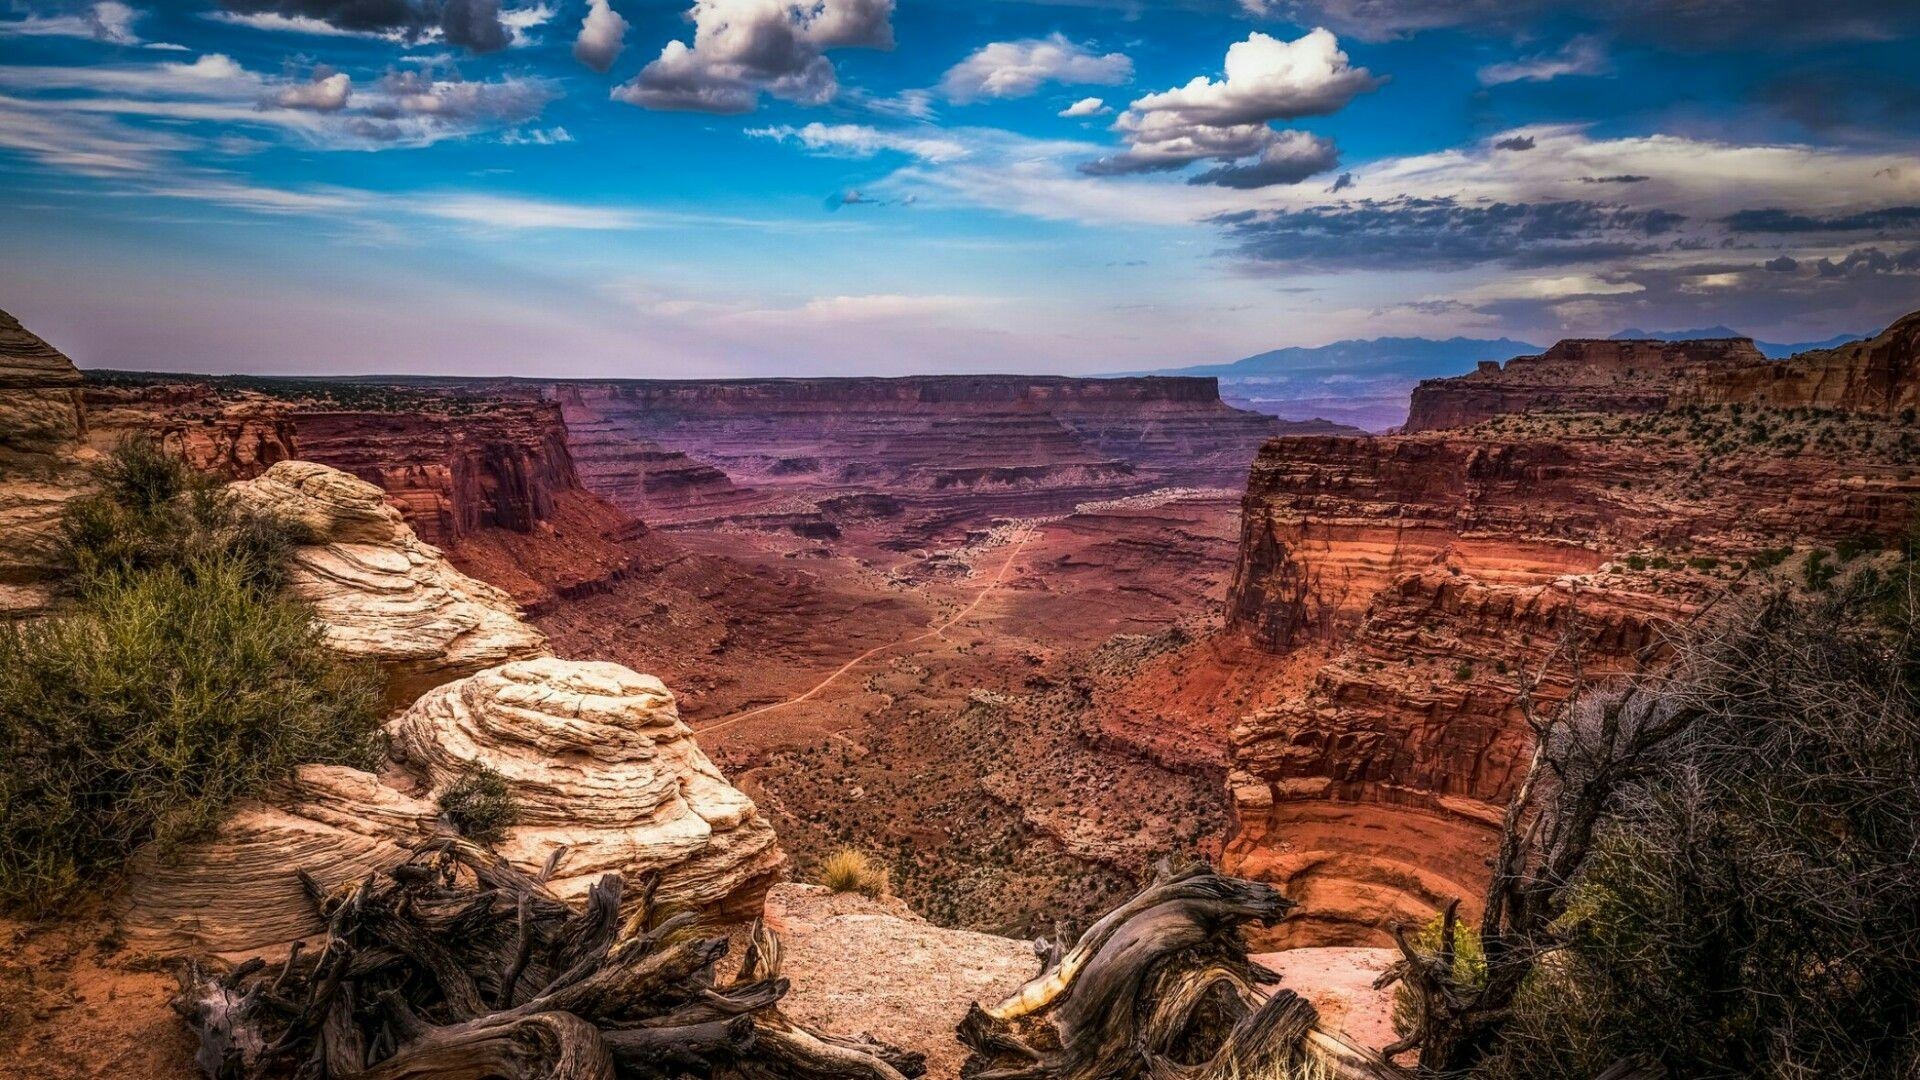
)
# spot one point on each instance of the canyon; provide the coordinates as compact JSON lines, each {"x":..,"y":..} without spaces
{"x":1015,"y":637}
{"x":1541,"y":524}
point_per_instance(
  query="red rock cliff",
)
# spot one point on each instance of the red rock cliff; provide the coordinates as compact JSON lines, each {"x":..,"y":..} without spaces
{"x":1432,"y":569}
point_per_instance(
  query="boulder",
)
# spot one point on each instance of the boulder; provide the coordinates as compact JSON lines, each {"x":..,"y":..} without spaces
{"x":42,"y":425}
{"x":381,"y":593}
{"x":600,"y":764}
{"x":236,"y":891}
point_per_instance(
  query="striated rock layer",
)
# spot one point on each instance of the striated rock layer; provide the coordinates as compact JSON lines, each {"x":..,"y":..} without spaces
{"x":601,"y":765}
{"x":1880,"y":375}
{"x":236,"y":891}
{"x":772,"y":454}
{"x":453,"y":465}
{"x":381,"y":594}
{"x":1433,"y":569}
{"x":42,"y":426}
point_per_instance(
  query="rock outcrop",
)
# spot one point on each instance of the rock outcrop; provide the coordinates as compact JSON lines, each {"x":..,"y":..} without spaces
{"x":453,"y":465}
{"x":236,"y":892}
{"x":1595,"y":503}
{"x":599,"y":764}
{"x":1880,"y":375}
{"x":381,"y":594}
{"x":1579,"y":375}
{"x":42,"y":428}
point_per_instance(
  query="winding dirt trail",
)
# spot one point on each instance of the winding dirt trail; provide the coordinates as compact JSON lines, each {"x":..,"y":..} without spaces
{"x":933,"y":632}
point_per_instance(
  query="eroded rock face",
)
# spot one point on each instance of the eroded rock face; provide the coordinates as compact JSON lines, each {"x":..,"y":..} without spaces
{"x":1880,"y":375}
{"x":600,"y":764}
{"x":1431,"y":570}
{"x":381,"y":594}
{"x":1578,"y":375}
{"x":42,"y":425}
{"x":236,"y":891}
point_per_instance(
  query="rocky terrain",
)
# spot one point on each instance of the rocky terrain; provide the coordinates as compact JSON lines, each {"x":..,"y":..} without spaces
{"x":42,"y":431}
{"x":1550,"y":516}
{"x":1620,"y":376}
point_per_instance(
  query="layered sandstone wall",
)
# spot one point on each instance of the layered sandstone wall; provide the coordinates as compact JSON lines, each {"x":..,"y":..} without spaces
{"x":454,"y":466}
{"x":1578,"y":375}
{"x":1879,"y":375}
{"x":43,"y":426}
{"x":1433,"y":569}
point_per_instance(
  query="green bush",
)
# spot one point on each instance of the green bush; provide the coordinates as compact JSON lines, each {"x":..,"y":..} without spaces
{"x":1469,"y":967}
{"x":180,"y":680}
{"x":480,"y":806}
{"x":1751,"y":907}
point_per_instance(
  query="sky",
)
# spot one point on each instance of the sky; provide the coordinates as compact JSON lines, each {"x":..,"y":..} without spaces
{"x":825,"y":187}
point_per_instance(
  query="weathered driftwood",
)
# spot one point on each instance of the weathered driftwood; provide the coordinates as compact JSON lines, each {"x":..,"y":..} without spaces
{"x":1159,"y":989}
{"x":455,"y":964}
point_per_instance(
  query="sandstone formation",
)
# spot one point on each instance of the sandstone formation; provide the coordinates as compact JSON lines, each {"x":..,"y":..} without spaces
{"x":453,"y":465}
{"x":1880,"y":375}
{"x":1595,"y":501}
{"x":601,"y":765}
{"x":775,"y":454}
{"x":873,"y":967}
{"x":236,"y":892}
{"x":42,"y":425}
{"x":603,"y":772}
{"x":381,"y":594}
{"x":1581,"y":375}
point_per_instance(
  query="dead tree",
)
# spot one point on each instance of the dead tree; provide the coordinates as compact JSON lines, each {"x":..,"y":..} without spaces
{"x":1161,"y":988}
{"x":457,"y":964}
{"x":1584,"y":754}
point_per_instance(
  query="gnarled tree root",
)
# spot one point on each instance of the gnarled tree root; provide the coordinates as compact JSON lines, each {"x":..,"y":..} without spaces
{"x":1159,"y":989}
{"x":457,"y":965}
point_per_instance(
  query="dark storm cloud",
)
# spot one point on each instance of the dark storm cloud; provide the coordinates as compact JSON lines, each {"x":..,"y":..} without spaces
{"x":1517,"y":142}
{"x":1442,"y":233}
{"x":1684,"y":23}
{"x":1785,"y":264}
{"x":1624,"y":178}
{"x":471,"y":24}
{"x":1293,"y":157}
{"x":1870,"y":262}
{"x":1892,"y":219}
{"x":1843,"y":100}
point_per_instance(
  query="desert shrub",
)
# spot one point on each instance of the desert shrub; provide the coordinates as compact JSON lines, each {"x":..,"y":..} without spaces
{"x":153,"y":511}
{"x":479,"y":805}
{"x":852,"y":870}
{"x":1469,"y":966}
{"x":179,"y":681}
{"x":1752,"y":905}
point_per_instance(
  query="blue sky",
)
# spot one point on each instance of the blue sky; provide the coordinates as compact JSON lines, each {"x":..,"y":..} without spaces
{"x":747,"y":187}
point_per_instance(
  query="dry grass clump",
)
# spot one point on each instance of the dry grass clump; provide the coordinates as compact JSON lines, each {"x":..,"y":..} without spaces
{"x":851,"y":870}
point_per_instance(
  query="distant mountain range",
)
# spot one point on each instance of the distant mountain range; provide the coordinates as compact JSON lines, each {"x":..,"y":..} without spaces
{"x":1773,"y":350}
{"x":1367,"y":382}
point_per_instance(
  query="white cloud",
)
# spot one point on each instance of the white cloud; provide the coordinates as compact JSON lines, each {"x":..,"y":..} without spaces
{"x":858,"y":140}
{"x":1580,"y":56}
{"x":1266,"y":79}
{"x":1288,"y":158}
{"x":504,"y":212}
{"x":603,"y":34}
{"x":325,"y":92}
{"x":744,"y":48}
{"x":109,"y":21}
{"x":1010,"y":69}
{"x":1091,"y":106}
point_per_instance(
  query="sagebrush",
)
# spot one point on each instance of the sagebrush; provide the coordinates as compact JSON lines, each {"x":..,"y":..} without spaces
{"x":180,"y":679}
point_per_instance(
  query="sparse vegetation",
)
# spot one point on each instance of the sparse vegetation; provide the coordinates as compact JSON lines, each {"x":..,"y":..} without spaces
{"x":1713,"y":874}
{"x":180,"y":680}
{"x":852,"y":870}
{"x":480,"y":806}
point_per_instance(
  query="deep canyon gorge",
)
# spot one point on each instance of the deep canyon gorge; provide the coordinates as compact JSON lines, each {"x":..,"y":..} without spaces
{"x":1016,"y":637}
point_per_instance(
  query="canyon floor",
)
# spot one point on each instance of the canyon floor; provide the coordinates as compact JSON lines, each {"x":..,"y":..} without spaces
{"x":1016,"y":724}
